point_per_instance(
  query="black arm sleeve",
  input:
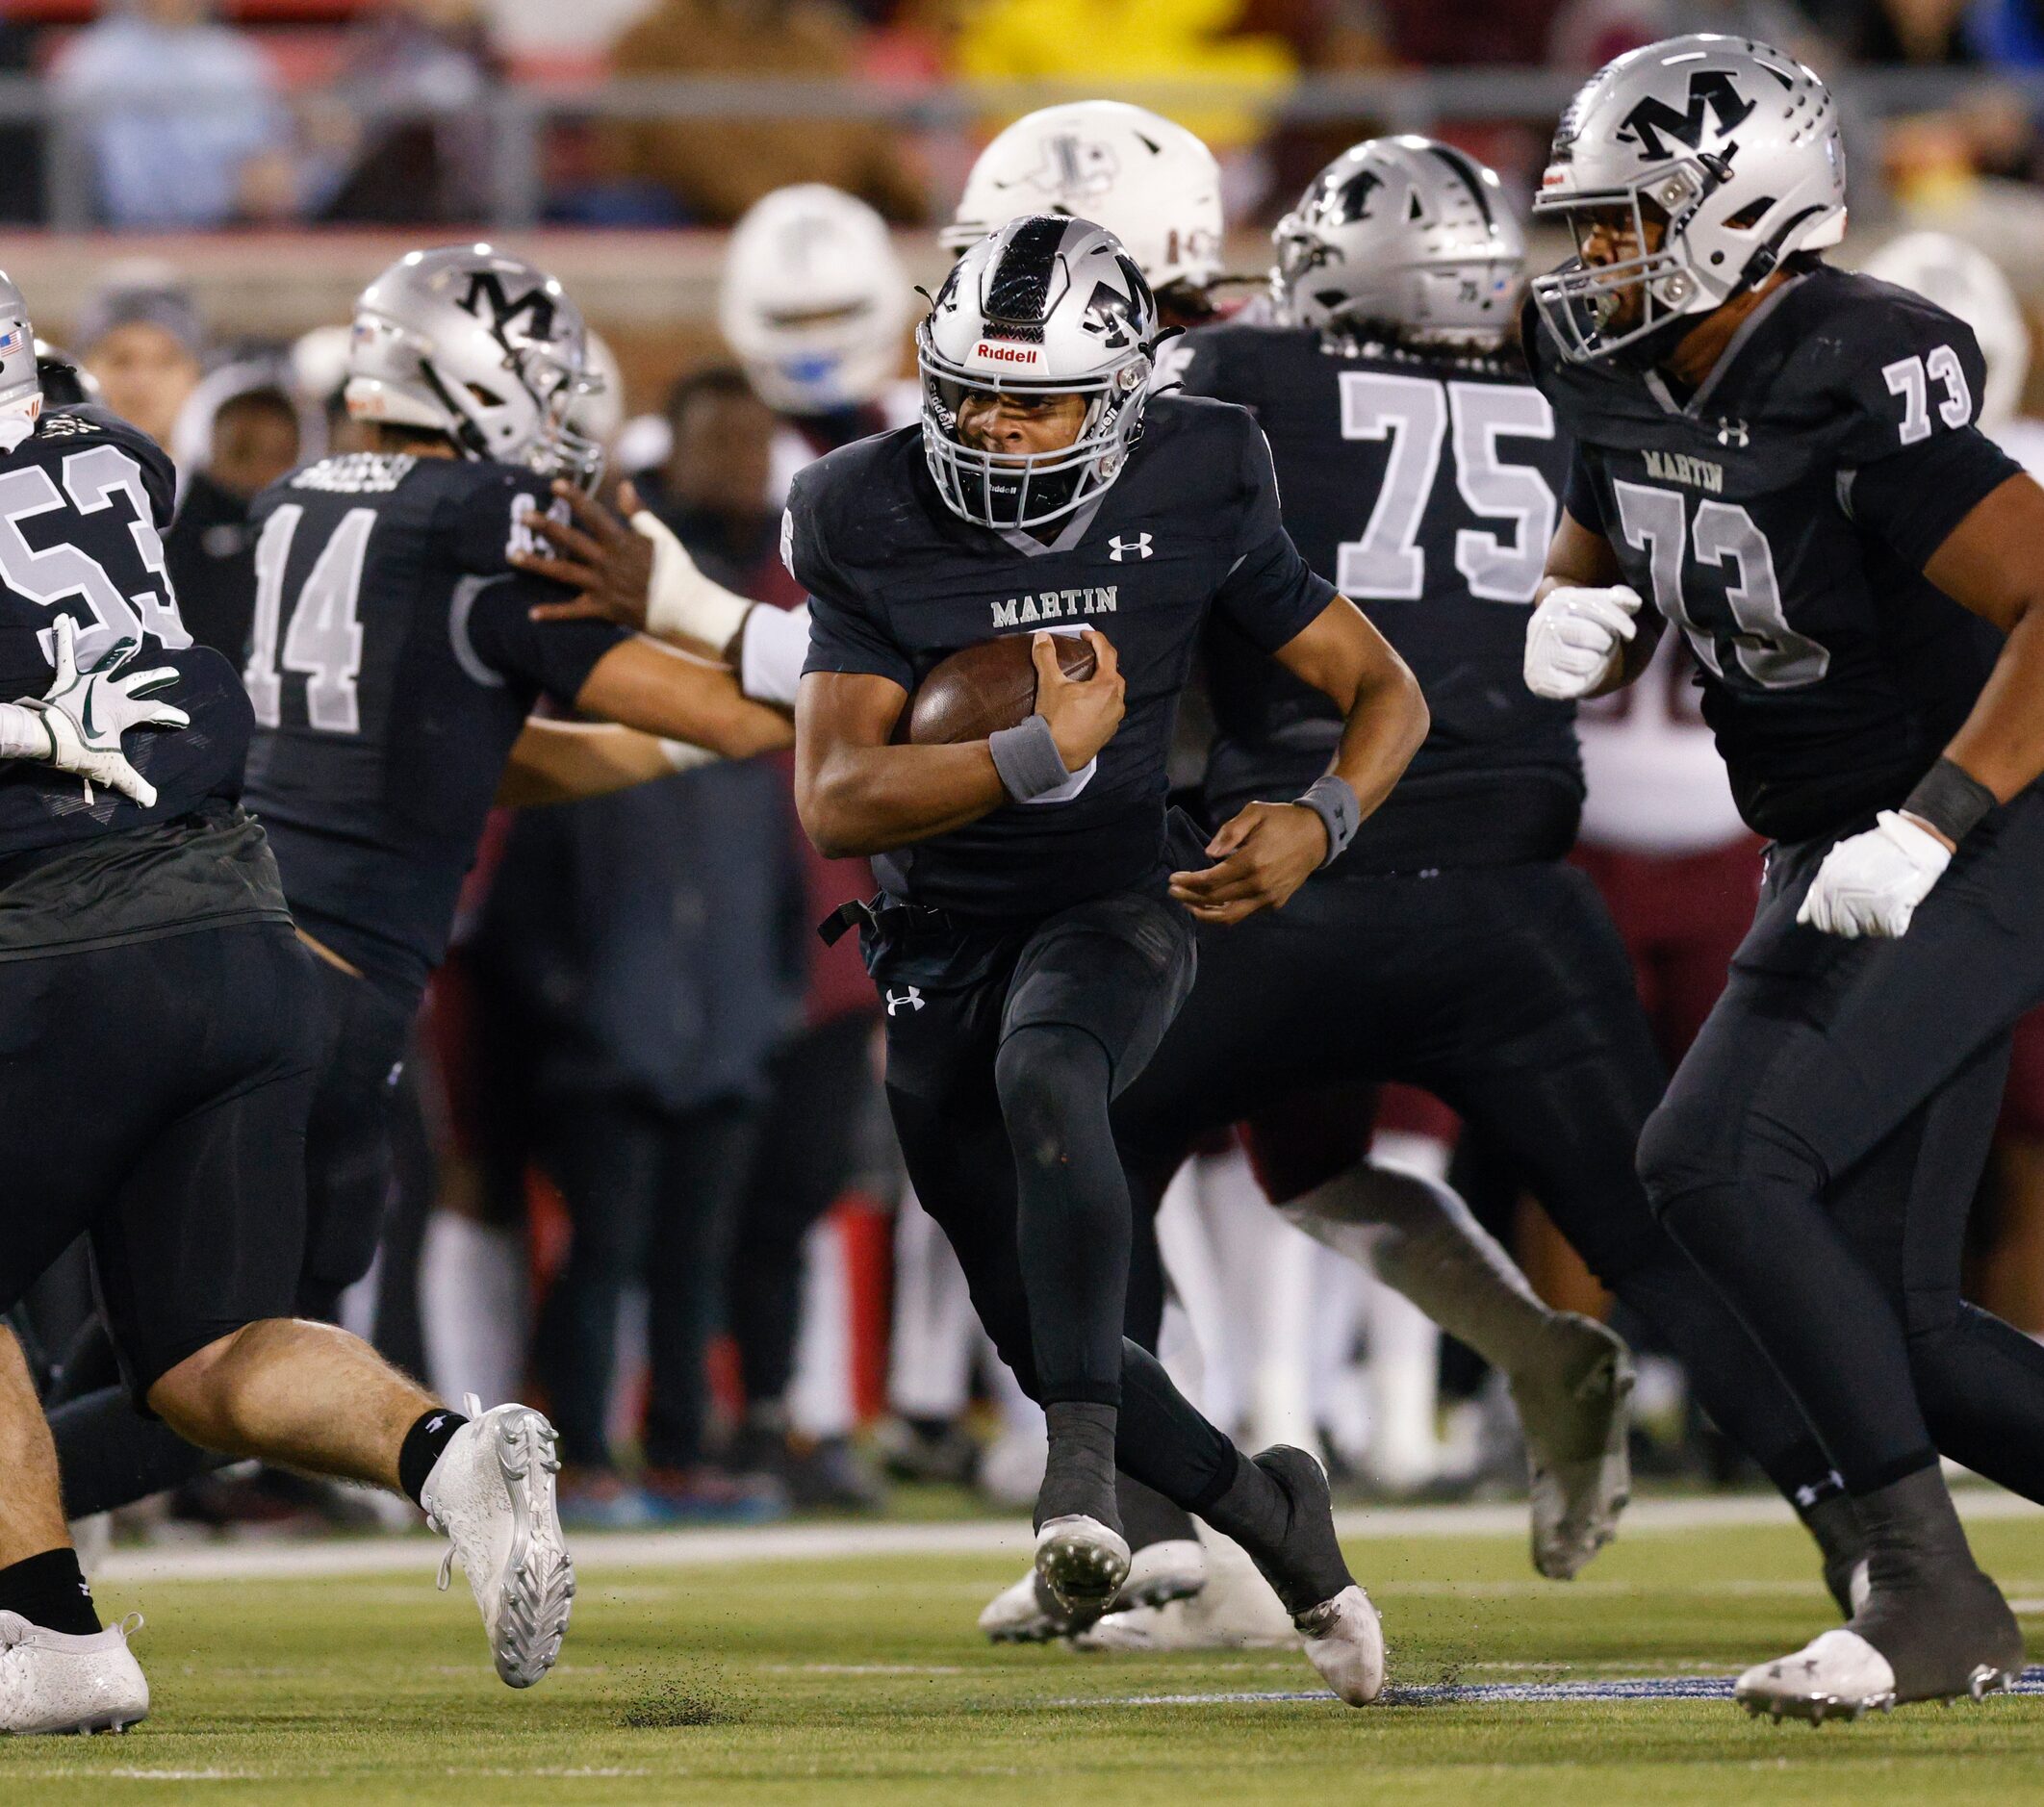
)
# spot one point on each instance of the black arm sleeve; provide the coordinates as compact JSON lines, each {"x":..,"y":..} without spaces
{"x":553,"y":657}
{"x":1270,"y":592}
{"x":1580,"y":498}
{"x":1912,"y":499}
{"x":846,"y":633}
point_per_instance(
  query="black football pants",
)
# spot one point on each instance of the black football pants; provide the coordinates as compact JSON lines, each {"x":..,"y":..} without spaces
{"x":1505,"y":992}
{"x":1003,"y":1052}
{"x":1818,"y":1150}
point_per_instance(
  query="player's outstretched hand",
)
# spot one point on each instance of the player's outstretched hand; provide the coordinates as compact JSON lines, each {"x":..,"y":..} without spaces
{"x":1871,"y":884}
{"x":86,"y":713}
{"x":1575,"y":637}
{"x":1263,"y":855}
{"x":606,"y":564}
{"x":1083,"y":712}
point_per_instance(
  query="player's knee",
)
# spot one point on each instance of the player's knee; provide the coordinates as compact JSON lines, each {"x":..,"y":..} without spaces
{"x":201,"y":1397}
{"x":1682,"y":1150}
{"x":1050,"y":1081}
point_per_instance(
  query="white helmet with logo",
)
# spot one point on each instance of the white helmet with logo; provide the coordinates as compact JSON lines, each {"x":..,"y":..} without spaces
{"x":814,"y":300}
{"x":1149,"y":182}
{"x":1964,"y":280}
{"x":1714,"y":159}
{"x":482,"y":346}
{"x":1404,"y":234}
{"x":1046,"y":306}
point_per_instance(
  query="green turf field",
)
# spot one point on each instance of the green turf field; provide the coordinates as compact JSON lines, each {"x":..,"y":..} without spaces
{"x":857,"y":1682}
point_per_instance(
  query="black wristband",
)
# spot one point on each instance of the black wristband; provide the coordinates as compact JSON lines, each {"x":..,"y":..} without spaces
{"x":1951,"y":799}
{"x":1333,"y":801}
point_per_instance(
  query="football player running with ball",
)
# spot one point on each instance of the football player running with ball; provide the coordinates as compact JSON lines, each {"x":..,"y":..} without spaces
{"x":1032,"y":940}
{"x":1783,"y":460}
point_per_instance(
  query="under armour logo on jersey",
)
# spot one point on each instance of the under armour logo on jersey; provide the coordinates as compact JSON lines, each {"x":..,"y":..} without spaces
{"x":911,"y":999}
{"x":1733,"y":432}
{"x":1140,"y":546}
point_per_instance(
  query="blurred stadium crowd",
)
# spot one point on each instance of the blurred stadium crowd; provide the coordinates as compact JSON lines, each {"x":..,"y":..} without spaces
{"x":643,"y":1161}
{"x":179,"y":113}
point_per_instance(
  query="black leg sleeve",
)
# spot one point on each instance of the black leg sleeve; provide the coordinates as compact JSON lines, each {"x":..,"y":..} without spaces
{"x":110,"y":1455}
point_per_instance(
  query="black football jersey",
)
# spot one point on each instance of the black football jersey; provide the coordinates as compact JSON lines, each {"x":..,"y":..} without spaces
{"x":1781,"y":518}
{"x":897,"y":582}
{"x":1426,"y":488}
{"x":392,"y":664}
{"x":83,"y":503}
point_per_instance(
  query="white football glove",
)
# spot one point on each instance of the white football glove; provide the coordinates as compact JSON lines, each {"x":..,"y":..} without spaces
{"x":679,"y":600}
{"x":1871,"y":884}
{"x":84,"y":714}
{"x":1575,"y":638}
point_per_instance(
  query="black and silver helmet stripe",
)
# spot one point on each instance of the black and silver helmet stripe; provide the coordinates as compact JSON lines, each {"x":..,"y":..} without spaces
{"x":1018,"y":288}
{"x":1465,"y":172}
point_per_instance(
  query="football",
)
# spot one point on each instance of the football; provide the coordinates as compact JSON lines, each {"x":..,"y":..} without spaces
{"x":981,"y":689}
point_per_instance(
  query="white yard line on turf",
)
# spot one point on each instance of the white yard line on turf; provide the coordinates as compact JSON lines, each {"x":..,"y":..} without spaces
{"x":603,"y":1551}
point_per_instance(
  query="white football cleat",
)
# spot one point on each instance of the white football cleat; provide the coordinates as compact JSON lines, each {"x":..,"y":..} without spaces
{"x":1345,"y":1641}
{"x":1081,"y":1560}
{"x":1575,"y":1416}
{"x":1236,"y":1610}
{"x":53,"y":1681}
{"x":1027,"y":1612}
{"x":1837,"y":1676}
{"x":491,"y":1494}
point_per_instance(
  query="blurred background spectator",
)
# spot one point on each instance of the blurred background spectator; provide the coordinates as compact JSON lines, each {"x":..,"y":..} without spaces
{"x":716,"y":170}
{"x":174,"y":110}
{"x":140,"y":338}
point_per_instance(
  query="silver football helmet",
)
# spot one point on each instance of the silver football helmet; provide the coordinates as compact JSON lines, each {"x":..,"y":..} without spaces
{"x":479,"y":346}
{"x":1046,"y":307}
{"x":1406,"y":234}
{"x":1688,"y":171}
{"x":1148,"y":181}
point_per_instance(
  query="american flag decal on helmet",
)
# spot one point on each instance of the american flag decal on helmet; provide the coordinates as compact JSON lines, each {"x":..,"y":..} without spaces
{"x":12,"y":340}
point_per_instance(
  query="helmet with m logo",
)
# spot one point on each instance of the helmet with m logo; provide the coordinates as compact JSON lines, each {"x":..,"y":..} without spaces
{"x":1688,"y":170}
{"x":482,"y":346}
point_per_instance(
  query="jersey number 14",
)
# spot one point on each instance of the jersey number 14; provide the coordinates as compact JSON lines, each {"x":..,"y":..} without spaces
{"x":323,"y":639}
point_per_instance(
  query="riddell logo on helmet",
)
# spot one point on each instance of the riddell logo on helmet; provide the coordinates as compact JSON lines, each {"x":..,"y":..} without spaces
{"x":1008,"y":354}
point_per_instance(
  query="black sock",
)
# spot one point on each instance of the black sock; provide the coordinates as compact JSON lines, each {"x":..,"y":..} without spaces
{"x":50,"y":1590}
{"x":1078,"y":1475}
{"x":421,"y":1447}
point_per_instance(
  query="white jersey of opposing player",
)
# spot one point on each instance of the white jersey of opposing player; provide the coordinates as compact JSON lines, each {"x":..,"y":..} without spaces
{"x":1656,"y":784}
{"x":899,"y":404}
{"x":2023,"y":440}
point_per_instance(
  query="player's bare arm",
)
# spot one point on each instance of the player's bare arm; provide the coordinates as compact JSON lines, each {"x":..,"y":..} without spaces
{"x":659,"y":690}
{"x":1588,"y":634}
{"x":1993,"y":564}
{"x":1267,"y":851}
{"x":565,"y":762}
{"x":857,"y":792}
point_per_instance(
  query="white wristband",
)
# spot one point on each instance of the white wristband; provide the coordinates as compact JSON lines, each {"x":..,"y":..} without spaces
{"x":773,"y":652}
{"x":681,"y":601}
{"x":23,"y":734}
